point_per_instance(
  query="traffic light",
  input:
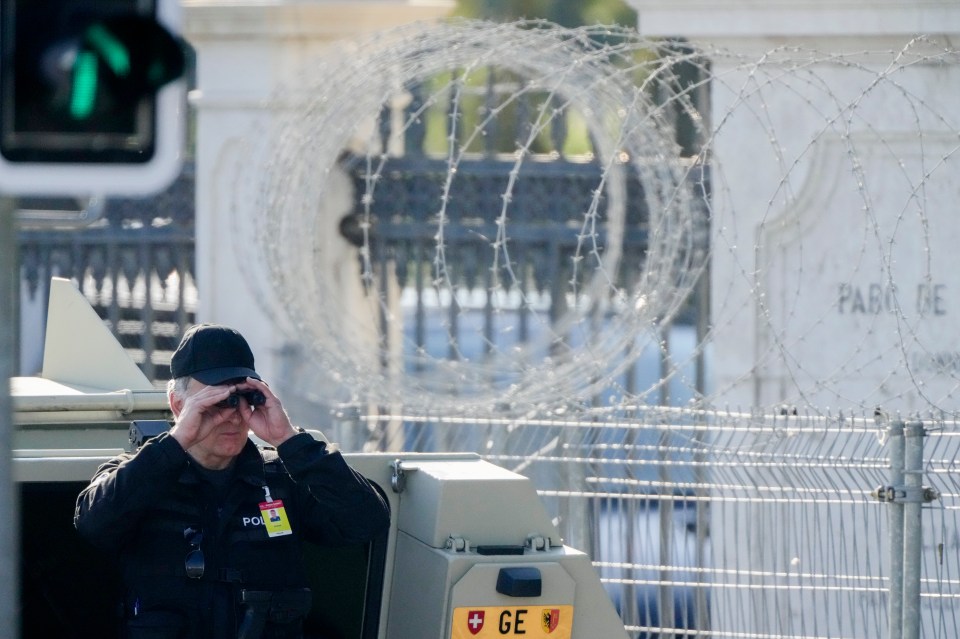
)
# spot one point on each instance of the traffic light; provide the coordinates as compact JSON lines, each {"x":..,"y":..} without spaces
{"x":91,"y":96}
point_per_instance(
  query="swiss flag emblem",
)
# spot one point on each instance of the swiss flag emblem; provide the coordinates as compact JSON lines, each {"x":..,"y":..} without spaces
{"x":475,"y":621}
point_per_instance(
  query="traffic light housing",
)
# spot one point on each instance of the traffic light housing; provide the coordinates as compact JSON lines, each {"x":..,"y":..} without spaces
{"x":92,"y":98}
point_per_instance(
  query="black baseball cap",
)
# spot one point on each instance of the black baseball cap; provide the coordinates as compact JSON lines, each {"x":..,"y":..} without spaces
{"x":212,"y":354}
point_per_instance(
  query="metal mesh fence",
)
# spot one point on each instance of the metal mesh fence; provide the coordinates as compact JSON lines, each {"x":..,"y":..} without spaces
{"x":729,"y":524}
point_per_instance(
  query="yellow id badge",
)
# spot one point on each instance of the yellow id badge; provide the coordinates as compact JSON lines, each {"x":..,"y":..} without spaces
{"x":275,"y":518}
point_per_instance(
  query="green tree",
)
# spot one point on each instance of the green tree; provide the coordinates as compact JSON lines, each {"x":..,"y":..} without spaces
{"x":682,"y":80}
{"x":567,"y":13}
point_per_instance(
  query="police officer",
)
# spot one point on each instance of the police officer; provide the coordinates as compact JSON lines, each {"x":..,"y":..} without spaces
{"x":206,"y":525}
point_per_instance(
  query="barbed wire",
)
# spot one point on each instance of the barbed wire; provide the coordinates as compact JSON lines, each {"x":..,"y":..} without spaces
{"x":896,"y":353}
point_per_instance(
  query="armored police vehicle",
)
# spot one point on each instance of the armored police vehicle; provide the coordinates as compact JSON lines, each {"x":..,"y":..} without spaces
{"x":455,"y":563}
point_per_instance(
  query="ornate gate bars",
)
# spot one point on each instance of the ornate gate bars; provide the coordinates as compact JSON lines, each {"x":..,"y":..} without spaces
{"x":547,"y":209}
{"x":135,"y":264}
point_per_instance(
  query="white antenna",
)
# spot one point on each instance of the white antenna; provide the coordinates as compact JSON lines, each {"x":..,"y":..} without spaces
{"x":80,"y":350}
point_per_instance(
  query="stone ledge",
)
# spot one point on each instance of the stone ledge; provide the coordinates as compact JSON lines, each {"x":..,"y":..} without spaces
{"x":278,"y":20}
{"x":748,"y":18}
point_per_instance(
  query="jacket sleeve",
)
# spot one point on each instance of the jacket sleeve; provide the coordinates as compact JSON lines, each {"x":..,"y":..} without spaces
{"x":337,"y":504}
{"x":111,"y":507}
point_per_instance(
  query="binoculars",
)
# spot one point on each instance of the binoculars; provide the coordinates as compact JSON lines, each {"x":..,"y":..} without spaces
{"x":253,"y":397}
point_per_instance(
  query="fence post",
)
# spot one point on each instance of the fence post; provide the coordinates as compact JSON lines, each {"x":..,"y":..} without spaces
{"x":905,"y":495}
{"x":9,"y":359}
{"x":896,"y":532}
{"x":912,"y":539}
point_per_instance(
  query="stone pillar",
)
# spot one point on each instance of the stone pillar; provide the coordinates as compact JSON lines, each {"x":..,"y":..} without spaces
{"x":834,"y":199}
{"x":245,"y":51}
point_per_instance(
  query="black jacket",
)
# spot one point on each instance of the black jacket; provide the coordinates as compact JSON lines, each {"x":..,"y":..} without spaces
{"x":148,"y":507}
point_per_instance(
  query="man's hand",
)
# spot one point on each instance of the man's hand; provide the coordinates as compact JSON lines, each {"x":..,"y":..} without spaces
{"x":268,"y":421}
{"x":198,"y":417}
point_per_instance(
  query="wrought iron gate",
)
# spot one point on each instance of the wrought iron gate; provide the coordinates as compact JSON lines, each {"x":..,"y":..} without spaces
{"x":135,"y":263}
{"x":396,"y":215}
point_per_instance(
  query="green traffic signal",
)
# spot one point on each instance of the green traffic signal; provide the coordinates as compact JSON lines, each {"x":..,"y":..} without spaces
{"x":83,"y":95}
{"x":81,"y":79}
{"x":117,"y":45}
{"x":113,"y":52}
{"x":103,"y":46}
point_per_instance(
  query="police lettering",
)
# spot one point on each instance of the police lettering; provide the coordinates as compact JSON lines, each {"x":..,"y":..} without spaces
{"x":252,"y":521}
{"x":509,"y":625}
